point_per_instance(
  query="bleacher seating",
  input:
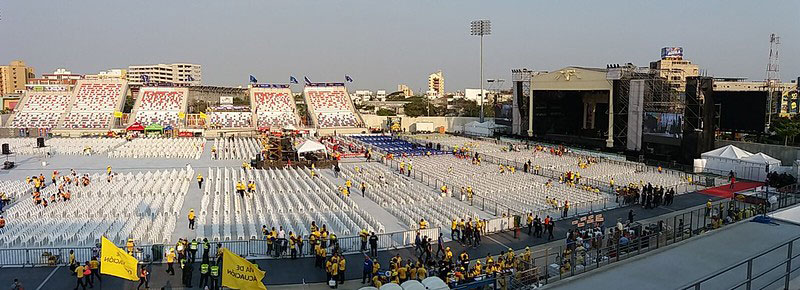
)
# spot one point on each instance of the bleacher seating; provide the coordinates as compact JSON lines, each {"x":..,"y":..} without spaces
{"x":396,"y":146}
{"x":230,"y":119}
{"x":160,"y":105}
{"x":331,"y":107}
{"x":143,"y":206}
{"x":290,"y":198}
{"x":42,"y":109}
{"x":187,"y":148}
{"x":95,"y":103}
{"x":274,"y":107}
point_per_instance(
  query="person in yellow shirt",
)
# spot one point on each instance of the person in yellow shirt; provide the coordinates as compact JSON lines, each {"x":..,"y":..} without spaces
{"x":79,"y":275}
{"x":94,"y":265}
{"x":395,"y":277}
{"x":251,"y":187}
{"x":448,"y":255}
{"x":341,"y":269}
{"x":200,"y":181}
{"x":376,"y":281}
{"x":129,"y":246}
{"x":329,"y":269}
{"x":191,"y":219}
{"x":453,"y":230}
{"x":423,"y":224}
{"x":345,"y":192}
{"x":348,"y":184}
{"x":412,"y":272}
{"x":402,"y":272}
{"x":170,"y":261}
{"x":422,"y":273}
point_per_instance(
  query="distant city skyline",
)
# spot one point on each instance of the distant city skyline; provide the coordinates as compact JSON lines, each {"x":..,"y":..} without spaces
{"x":383,"y":44}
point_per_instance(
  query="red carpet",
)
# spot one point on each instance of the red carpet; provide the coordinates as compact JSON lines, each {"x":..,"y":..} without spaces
{"x":726,"y":191}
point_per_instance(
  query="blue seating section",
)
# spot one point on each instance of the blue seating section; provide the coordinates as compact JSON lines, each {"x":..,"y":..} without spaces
{"x":397,"y":146}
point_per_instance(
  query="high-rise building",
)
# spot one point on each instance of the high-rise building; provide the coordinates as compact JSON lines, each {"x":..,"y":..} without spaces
{"x":14,"y":76}
{"x":121,"y":74}
{"x":174,"y":74}
{"x":436,"y":84}
{"x":407,"y":92}
{"x":674,"y":68}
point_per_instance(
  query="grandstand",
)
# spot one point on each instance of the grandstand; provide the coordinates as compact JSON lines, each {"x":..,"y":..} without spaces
{"x":274,"y":107}
{"x":42,"y":108}
{"x":94,"y":104}
{"x":331,"y":107}
{"x":230,"y":118}
{"x":160,"y":105}
{"x":290,"y":198}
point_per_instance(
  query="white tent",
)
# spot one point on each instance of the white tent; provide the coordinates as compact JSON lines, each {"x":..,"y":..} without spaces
{"x":744,"y":164}
{"x":435,"y":283}
{"x":412,"y":285}
{"x":311,"y":146}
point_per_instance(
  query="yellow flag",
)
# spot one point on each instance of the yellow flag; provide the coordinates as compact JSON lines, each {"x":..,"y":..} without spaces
{"x":181,"y":115}
{"x":117,"y":114}
{"x":203,"y":115}
{"x":238,"y":273}
{"x":116,"y":262}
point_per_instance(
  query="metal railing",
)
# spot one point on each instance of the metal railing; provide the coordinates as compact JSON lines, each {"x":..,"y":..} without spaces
{"x":780,"y":271}
{"x":252,"y":248}
{"x":556,"y":263}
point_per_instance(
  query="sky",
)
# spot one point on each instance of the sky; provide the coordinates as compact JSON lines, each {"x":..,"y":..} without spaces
{"x":381,"y":44}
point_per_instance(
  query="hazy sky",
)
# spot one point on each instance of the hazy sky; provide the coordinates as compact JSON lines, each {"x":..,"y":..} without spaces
{"x":384,"y":43}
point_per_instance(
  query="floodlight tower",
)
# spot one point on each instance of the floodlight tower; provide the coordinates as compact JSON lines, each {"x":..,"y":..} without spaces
{"x":773,"y":79}
{"x":481,"y":28}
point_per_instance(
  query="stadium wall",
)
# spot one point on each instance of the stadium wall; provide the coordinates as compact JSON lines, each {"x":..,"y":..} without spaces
{"x":450,"y":124}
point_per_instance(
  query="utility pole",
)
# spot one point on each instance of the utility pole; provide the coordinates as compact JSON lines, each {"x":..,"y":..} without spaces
{"x":481,"y":28}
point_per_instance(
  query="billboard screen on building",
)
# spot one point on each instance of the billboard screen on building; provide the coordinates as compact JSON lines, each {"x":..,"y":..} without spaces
{"x":672,"y":51}
{"x":663,"y":124}
{"x":226,"y":100}
{"x":741,"y":111}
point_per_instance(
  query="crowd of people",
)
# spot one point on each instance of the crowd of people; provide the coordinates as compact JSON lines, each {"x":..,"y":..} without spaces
{"x":648,"y":196}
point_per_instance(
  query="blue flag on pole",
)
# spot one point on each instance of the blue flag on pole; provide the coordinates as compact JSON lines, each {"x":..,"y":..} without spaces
{"x":292,"y":80}
{"x":145,"y":79}
{"x":189,"y":78}
{"x":253,"y":79}
{"x":308,"y":82}
{"x":348,"y":78}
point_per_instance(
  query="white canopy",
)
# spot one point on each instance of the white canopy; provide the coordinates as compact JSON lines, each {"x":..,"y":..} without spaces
{"x":391,"y":286}
{"x":726,"y":152}
{"x":412,"y":285}
{"x":761,"y":158}
{"x":311,"y":146}
{"x":435,"y":283}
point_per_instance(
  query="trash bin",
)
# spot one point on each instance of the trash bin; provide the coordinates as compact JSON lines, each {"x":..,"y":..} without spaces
{"x":158,"y":252}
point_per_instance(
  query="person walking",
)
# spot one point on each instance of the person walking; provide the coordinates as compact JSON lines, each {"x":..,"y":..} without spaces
{"x":193,"y":250}
{"x":191,"y":219}
{"x":17,"y":285}
{"x":143,"y":278}
{"x":200,"y":181}
{"x":631,"y":214}
{"x":94,"y":265}
{"x":79,"y":277}
{"x":363,"y":189}
{"x":170,"y":261}
{"x":87,"y":275}
{"x":530,"y":223}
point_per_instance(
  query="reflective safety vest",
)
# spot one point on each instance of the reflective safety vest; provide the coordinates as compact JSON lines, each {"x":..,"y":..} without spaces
{"x":193,"y":245}
{"x":206,"y":245}
{"x":204,"y":269}
{"x":214,"y":271}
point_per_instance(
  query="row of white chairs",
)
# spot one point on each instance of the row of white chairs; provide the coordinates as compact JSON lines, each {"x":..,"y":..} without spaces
{"x":236,"y":148}
{"x":143,"y":206}
{"x":156,"y":147}
{"x":288,"y":198}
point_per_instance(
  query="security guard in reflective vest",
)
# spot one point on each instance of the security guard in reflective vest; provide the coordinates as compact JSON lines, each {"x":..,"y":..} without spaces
{"x":206,"y":247}
{"x":214,"y":275}
{"x":193,"y":250}
{"x":204,"y":274}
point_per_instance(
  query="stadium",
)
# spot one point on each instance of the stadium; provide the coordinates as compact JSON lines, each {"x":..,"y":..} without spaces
{"x":281,"y":188}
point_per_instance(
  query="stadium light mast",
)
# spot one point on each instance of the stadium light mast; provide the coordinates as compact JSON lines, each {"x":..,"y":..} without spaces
{"x":480,"y":28}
